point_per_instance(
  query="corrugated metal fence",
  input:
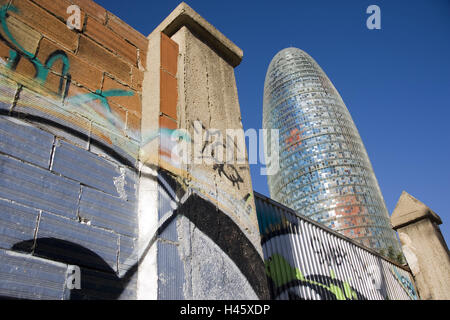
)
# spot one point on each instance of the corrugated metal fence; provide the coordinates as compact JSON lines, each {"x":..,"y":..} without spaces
{"x":305,"y":260}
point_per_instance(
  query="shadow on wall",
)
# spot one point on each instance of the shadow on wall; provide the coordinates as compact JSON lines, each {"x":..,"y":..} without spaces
{"x":102,"y":283}
{"x":227,"y":235}
{"x":220,"y":228}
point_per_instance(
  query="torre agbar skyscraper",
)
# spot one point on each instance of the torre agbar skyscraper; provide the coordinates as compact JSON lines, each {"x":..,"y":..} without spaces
{"x":325,"y":173}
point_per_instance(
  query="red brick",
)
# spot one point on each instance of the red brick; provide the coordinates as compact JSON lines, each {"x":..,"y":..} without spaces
{"x":52,"y":83}
{"x":169,"y":94}
{"x":169,"y":54}
{"x":26,"y":68}
{"x":81,"y":72}
{"x":120,"y":116}
{"x":165,"y":122}
{"x":92,"y":9}
{"x":42,"y":21}
{"x":58,"y":8}
{"x":107,"y":38}
{"x":130,"y":103}
{"x":26,"y":36}
{"x":133,"y":122}
{"x":75,"y":90}
{"x":4,"y":51}
{"x":119,"y":113}
{"x":142,"y":63}
{"x":127,"y":32}
{"x":105,"y":60}
{"x":96,"y":55}
{"x":137,"y":77}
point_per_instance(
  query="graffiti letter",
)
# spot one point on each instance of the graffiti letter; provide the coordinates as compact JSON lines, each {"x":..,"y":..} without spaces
{"x":374,"y":277}
{"x":14,"y":58}
{"x":58,"y":54}
{"x":16,"y":53}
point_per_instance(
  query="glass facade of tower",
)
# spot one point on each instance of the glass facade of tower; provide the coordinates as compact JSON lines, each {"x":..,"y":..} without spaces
{"x":325,"y":173}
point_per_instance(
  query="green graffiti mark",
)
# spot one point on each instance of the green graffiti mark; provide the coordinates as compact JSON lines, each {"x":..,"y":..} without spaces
{"x":102,"y":97}
{"x":3,"y":13}
{"x":349,"y":293}
{"x":281,"y":272}
{"x":99,"y":95}
{"x":42,"y":71}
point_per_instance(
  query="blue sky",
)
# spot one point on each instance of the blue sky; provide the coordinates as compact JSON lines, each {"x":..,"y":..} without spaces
{"x":394,"y":81}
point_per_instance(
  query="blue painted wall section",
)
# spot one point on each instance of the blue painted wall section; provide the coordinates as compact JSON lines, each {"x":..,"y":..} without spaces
{"x":68,"y":177}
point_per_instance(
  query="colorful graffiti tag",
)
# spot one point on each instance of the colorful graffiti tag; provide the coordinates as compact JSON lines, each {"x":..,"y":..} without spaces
{"x":305,"y":260}
{"x":42,"y":70}
{"x":328,"y":287}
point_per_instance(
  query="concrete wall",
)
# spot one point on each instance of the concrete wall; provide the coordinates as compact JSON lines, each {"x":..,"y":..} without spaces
{"x":70,"y":113}
{"x":424,"y":247}
{"x":206,"y":235}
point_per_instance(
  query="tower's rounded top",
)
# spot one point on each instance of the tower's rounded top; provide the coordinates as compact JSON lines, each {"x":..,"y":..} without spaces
{"x":287,"y":53}
{"x":282,"y":58}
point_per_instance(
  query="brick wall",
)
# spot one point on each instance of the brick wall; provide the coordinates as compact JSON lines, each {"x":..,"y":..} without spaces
{"x":70,"y":113}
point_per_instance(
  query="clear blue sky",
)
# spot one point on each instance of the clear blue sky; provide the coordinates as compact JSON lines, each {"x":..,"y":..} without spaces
{"x":394,"y":81}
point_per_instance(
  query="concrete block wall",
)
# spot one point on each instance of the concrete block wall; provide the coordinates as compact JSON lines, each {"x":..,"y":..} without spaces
{"x":206,"y":230}
{"x":70,"y":113}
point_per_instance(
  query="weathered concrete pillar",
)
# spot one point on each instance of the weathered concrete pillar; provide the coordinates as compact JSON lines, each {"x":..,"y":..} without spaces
{"x":202,"y":241}
{"x":424,"y":247}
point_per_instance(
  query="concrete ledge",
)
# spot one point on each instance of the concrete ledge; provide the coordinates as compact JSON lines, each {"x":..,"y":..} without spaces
{"x":409,"y":210}
{"x":183,"y":15}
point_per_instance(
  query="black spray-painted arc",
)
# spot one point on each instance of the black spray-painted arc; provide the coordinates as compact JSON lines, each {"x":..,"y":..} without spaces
{"x":217,"y":226}
{"x":280,"y":232}
{"x":73,"y":254}
{"x":221,"y":229}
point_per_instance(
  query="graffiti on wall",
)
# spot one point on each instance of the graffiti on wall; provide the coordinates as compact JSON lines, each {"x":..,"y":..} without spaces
{"x":321,"y":287}
{"x":405,"y":282}
{"x":304,"y":261}
{"x":17,"y":52}
{"x":43,"y":69}
{"x":228,"y":195}
{"x":214,"y":199}
{"x":211,"y":221}
{"x":328,"y":254}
